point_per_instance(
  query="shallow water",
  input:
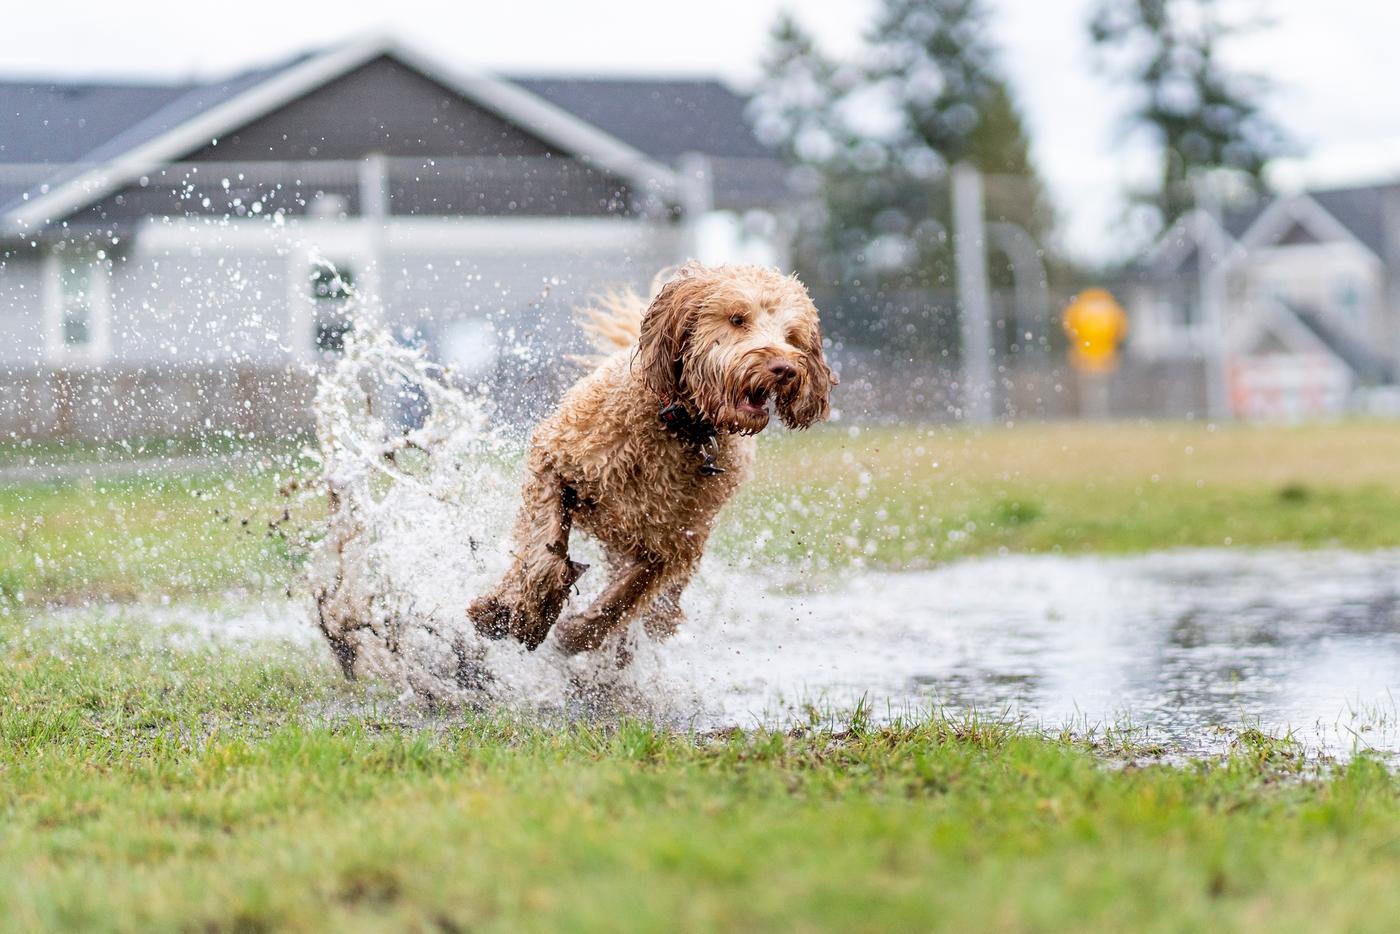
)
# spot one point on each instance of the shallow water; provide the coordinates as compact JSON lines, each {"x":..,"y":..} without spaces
{"x":1177,"y":644}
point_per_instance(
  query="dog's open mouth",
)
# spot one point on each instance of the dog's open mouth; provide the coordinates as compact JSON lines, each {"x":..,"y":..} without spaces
{"x":754,"y":402}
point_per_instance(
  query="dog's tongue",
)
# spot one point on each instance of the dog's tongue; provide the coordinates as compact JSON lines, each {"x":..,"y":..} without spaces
{"x":756,"y":401}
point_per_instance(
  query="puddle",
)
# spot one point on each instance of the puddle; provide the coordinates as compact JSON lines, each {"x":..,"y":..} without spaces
{"x":1176,"y":644}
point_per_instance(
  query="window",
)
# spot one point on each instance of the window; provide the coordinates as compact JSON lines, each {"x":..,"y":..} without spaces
{"x":78,"y":304}
{"x":332,"y":289}
{"x":1349,"y":300}
{"x":75,"y":308}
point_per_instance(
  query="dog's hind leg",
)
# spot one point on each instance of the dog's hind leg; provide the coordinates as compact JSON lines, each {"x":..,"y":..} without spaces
{"x":665,"y":616}
{"x":634,"y":584}
{"x":660,"y":620}
{"x":527,"y":601}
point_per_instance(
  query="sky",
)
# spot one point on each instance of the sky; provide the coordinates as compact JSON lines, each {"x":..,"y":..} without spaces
{"x":1333,"y":64}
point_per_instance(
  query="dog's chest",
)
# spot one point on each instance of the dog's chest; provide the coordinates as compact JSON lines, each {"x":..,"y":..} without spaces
{"x":654,"y":495}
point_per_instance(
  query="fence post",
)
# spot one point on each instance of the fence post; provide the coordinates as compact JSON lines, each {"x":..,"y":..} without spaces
{"x":697,"y":197}
{"x":974,"y":305}
{"x":374,"y":216}
{"x":1213,"y":254}
{"x":1032,"y":290}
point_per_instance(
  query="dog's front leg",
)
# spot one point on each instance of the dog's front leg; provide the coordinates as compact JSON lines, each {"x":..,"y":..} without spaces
{"x":527,"y":601}
{"x":635,"y":583}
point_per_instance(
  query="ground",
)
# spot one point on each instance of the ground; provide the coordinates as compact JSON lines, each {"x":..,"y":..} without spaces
{"x":152,"y":782}
{"x":145,"y":787}
{"x":891,"y":497}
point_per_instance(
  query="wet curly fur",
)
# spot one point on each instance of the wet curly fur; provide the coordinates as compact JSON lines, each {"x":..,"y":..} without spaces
{"x":724,"y":342}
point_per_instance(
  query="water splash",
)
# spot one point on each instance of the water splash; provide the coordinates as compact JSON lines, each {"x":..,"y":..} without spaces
{"x":422,"y":485}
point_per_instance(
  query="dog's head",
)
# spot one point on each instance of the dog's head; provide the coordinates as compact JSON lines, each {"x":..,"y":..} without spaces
{"x":730,"y":340}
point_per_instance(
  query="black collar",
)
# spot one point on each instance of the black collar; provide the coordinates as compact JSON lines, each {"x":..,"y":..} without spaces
{"x":679,"y":421}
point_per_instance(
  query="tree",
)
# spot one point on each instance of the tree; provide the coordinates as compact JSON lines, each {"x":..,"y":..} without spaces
{"x":793,"y":110}
{"x":1201,"y":113}
{"x":936,"y":59}
{"x":872,"y":139}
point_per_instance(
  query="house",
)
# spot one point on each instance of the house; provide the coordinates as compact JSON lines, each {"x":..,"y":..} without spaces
{"x":1301,"y":295}
{"x":181,"y":256}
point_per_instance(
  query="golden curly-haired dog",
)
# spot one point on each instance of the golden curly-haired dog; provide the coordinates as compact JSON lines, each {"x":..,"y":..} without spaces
{"x":644,"y":451}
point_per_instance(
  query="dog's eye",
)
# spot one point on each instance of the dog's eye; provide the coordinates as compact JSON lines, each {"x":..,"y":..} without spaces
{"x":736,"y":320}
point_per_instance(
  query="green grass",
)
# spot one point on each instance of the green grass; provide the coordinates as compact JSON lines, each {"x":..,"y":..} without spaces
{"x":139,"y":537}
{"x":146,"y":788}
{"x":890,"y":497}
{"x":900,"y":497}
{"x":42,"y":452}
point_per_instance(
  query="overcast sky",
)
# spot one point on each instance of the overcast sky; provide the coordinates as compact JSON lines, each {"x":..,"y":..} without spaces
{"x":1334,"y":63}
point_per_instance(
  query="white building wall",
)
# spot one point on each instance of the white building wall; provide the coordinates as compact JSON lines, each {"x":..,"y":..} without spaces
{"x":197,"y":305}
{"x":241,"y":292}
{"x":1341,"y":280}
{"x":21,"y":309}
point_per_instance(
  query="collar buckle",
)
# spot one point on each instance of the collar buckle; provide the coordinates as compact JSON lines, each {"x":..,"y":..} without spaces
{"x":677,"y":420}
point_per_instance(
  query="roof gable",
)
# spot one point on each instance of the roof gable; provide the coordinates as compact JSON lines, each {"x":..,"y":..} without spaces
{"x":1178,"y":249}
{"x":382,"y":106}
{"x":1299,"y":219}
{"x":1297,"y":235}
{"x":190,"y":122}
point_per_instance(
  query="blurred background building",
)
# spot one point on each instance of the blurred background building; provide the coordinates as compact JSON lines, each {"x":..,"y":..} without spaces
{"x":181,"y":256}
{"x":1309,"y":286}
{"x":178,"y":257}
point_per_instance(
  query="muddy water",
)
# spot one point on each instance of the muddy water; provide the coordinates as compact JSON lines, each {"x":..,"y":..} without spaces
{"x":1176,"y":644}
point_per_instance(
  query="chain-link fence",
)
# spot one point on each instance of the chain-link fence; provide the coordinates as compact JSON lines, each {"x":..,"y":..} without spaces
{"x":197,"y":295}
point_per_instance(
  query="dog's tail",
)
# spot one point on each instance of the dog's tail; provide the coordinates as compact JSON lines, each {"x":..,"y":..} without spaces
{"x":612,"y":322}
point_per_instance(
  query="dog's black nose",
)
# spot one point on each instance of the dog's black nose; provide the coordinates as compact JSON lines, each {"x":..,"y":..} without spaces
{"x":782,"y":370}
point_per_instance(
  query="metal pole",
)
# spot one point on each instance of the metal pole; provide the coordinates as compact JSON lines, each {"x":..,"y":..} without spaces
{"x":697,"y":196}
{"x":1032,"y":293}
{"x":1211,"y":251}
{"x":374,"y":213}
{"x":974,"y":305}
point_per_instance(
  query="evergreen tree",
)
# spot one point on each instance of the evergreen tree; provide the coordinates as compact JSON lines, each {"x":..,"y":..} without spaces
{"x":929,"y":84}
{"x":792,"y":112}
{"x":1202,"y":114}
{"x":872,"y":140}
{"x":936,"y":59}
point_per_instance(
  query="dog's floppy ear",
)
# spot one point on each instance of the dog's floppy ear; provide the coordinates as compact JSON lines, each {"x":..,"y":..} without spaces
{"x":812,"y":402}
{"x":665,"y":327}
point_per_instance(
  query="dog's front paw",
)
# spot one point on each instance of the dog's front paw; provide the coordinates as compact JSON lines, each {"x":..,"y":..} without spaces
{"x":491,"y":617}
{"x":496,"y":619}
{"x":582,"y":632}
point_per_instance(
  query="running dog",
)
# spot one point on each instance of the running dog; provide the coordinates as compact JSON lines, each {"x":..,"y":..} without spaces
{"x":644,"y":450}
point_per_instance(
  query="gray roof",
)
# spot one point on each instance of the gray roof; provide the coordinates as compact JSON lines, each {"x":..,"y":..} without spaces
{"x":79,"y":124}
{"x":55,"y":121}
{"x":662,"y":118}
{"x":667,"y":119}
{"x":1369,"y":366}
{"x":1365,"y":211}
{"x":1237,"y":220}
{"x":42,"y":123}
{"x":52,"y":122}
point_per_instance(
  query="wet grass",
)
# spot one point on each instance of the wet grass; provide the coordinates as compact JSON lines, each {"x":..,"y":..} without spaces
{"x":884,"y":497}
{"x":38,"y":453}
{"x":146,"y":788}
{"x":898,"y":497}
{"x":143,"y":537}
